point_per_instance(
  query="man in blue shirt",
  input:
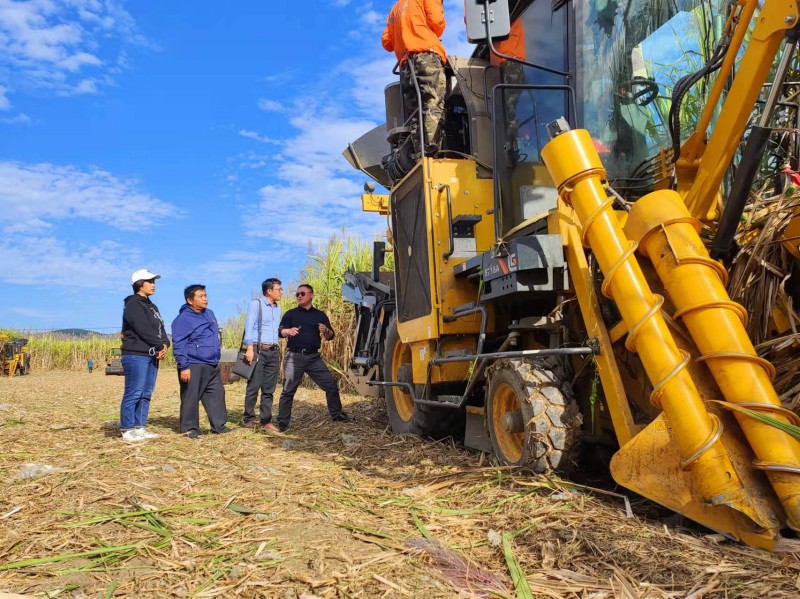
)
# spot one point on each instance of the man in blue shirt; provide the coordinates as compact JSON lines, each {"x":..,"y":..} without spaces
{"x":195,"y":342}
{"x":261,"y":338}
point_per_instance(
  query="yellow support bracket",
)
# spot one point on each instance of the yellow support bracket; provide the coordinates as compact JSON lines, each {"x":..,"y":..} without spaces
{"x":372,"y":202}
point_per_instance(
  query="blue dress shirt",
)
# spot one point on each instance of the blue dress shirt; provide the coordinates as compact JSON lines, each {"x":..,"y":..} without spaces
{"x":270,"y":319}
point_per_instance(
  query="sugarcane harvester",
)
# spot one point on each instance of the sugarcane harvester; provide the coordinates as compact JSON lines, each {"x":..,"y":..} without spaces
{"x":551,"y":287}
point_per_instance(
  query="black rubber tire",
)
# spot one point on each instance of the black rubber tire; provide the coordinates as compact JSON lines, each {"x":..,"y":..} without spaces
{"x":552,"y":419}
{"x":423,"y":421}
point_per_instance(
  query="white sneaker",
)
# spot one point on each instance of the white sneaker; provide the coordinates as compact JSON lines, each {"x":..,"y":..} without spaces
{"x":132,"y":436}
{"x":145,"y":435}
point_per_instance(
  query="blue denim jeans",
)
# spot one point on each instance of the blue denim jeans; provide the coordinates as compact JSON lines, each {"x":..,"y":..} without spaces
{"x":140,"y":380}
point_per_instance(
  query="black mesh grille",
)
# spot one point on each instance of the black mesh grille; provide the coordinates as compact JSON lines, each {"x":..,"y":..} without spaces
{"x":412,"y":274}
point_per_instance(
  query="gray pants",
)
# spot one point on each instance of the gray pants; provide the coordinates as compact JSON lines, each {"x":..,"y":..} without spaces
{"x":204,"y":386}
{"x":265,"y":378}
{"x":294,"y":367}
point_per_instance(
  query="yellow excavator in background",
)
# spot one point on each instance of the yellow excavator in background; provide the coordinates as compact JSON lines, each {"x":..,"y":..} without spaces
{"x":561,"y":264}
{"x":15,"y":359}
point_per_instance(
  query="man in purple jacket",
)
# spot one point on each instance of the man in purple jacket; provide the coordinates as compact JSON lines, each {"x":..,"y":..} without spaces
{"x":195,"y":342}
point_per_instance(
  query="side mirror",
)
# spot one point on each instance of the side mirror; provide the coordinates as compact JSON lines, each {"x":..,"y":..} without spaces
{"x":369,"y":186}
{"x":480,"y":12}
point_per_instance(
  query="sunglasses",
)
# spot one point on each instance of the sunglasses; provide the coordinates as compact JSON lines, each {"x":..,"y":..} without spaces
{"x":301,"y":294}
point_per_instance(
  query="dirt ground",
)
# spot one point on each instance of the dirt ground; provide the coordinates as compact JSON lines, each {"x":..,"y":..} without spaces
{"x":329,"y":510}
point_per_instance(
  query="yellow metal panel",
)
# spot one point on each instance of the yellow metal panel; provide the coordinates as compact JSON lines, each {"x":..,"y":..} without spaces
{"x":651,"y":466}
{"x":425,"y":327}
{"x":454,"y":371}
{"x":469,"y":195}
{"x":581,"y":278}
{"x":419,"y":329}
{"x":371,"y":202}
{"x":421,"y":353}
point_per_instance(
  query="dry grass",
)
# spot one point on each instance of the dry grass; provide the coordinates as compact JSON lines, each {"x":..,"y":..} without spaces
{"x":331,"y":510}
{"x":758,"y":281}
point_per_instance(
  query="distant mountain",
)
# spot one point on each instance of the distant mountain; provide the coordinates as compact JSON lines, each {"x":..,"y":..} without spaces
{"x":82,"y":333}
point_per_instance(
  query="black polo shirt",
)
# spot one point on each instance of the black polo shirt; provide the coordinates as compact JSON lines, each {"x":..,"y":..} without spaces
{"x":309,"y":337}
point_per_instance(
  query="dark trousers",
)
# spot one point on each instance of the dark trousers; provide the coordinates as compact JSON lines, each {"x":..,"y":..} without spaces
{"x":295,"y":365}
{"x":204,"y":386}
{"x":265,"y":377}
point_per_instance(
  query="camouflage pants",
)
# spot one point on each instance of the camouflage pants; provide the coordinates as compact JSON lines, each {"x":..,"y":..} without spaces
{"x":512,"y":73}
{"x":431,"y":80}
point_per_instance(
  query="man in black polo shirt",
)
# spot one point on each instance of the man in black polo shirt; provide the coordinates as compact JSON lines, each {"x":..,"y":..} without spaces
{"x":304,"y":326}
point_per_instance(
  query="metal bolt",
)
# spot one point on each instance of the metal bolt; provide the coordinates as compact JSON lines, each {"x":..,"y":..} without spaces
{"x":788,"y":19}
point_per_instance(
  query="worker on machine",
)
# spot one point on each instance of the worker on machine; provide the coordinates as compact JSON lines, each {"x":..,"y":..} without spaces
{"x":412,"y":32}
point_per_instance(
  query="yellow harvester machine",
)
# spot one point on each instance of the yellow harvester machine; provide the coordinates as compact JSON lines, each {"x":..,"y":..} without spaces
{"x":15,"y":359}
{"x":560,"y":265}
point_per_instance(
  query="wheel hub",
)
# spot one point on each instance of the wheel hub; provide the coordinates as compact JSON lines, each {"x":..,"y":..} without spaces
{"x":513,"y":422}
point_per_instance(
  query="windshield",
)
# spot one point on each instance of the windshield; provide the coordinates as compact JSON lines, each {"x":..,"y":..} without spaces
{"x":629,"y":55}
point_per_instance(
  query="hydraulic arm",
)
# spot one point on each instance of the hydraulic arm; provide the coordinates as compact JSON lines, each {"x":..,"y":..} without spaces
{"x":703,"y":162}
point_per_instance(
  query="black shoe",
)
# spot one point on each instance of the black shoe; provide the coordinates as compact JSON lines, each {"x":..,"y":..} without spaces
{"x":343,"y":418}
{"x":192,"y":435}
{"x":223,"y":430}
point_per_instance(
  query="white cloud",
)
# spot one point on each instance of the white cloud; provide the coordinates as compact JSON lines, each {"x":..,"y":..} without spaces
{"x":258,"y":137}
{"x":33,"y":260}
{"x":30,"y":312}
{"x":5,"y":104}
{"x":313,"y":191}
{"x":233,"y":266}
{"x":34,"y":196}
{"x":372,"y":17}
{"x":270,"y":105}
{"x":19,"y":119}
{"x":53,"y":44}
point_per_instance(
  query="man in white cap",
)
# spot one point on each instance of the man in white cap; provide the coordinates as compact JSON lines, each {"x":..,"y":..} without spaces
{"x":144,"y":345}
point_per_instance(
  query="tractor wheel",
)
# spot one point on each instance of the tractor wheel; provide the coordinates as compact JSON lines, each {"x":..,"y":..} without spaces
{"x":532,"y":418}
{"x":405,"y":416}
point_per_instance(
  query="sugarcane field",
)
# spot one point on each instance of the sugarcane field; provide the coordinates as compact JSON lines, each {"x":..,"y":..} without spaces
{"x":326,"y":511}
{"x":493,"y":299}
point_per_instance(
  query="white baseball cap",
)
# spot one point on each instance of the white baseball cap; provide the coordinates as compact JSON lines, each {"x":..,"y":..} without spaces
{"x":143,"y":275}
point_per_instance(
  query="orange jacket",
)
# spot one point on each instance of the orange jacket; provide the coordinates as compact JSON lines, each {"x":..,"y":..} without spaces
{"x":514,"y":45}
{"x":415,"y":26}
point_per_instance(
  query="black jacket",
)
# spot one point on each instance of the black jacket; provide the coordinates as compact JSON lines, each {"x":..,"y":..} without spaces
{"x":142,"y":327}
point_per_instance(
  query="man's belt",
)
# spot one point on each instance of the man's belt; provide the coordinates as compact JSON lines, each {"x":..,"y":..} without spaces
{"x":272,"y":347}
{"x":304,"y":351}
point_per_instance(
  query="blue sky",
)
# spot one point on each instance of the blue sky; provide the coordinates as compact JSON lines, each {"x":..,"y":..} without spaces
{"x":201,"y":140}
